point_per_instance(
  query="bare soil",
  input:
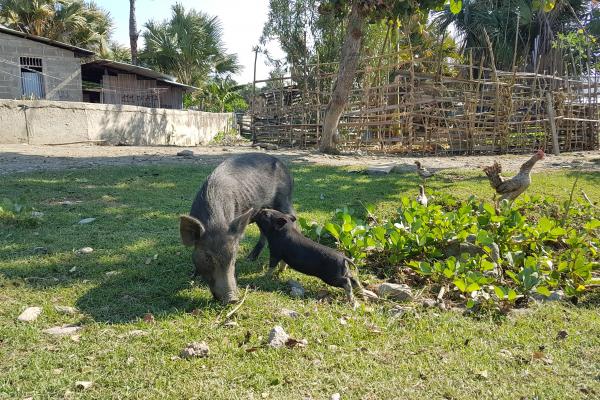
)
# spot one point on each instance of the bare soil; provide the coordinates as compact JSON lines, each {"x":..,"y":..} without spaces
{"x":29,"y":158}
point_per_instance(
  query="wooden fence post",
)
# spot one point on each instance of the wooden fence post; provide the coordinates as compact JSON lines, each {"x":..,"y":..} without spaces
{"x":552,"y":120}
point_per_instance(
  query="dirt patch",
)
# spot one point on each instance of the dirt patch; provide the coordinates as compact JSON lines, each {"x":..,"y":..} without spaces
{"x":28,"y":158}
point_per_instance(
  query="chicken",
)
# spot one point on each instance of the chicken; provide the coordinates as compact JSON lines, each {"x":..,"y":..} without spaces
{"x":511,"y":188}
{"x":422,"y":198}
{"x":423,"y":172}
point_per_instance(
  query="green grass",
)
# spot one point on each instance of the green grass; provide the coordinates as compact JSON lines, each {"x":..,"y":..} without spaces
{"x":424,"y":354}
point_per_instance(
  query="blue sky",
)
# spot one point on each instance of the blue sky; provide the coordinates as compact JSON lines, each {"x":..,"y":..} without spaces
{"x":242,"y":22}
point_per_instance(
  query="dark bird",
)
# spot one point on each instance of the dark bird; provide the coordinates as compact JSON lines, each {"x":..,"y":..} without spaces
{"x":423,"y":172}
{"x":511,"y":188}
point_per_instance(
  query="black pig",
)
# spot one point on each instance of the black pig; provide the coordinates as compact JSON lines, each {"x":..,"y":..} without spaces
{"x":302,"y":254}
{"x":224,"y":205}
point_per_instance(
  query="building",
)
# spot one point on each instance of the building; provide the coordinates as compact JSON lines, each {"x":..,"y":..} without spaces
{"x":36,"y":67}
{"x":33,"y":67}
{"x":111,"y":82}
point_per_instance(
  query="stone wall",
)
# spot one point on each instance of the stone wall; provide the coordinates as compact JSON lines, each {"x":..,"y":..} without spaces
{"x":61,"y":69}
{"x":54,"y":122}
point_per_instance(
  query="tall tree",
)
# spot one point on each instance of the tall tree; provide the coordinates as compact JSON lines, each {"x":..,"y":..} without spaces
{"x":133,"y":32}
{"x":189,"y":46}
{"x":358,"y":12}
{"x":75,"y":22}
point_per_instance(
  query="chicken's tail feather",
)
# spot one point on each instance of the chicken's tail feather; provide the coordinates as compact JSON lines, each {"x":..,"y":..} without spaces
{"x":493,"y":174}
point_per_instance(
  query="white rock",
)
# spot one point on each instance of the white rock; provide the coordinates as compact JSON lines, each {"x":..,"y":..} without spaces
{"x":289,"y":313}
{"x":86,"y":221}
{"x":73,"y":269}
{"x":65,"y":310}
{"x":370,"y":295}
{"x":277,"y":337}
{"x":85,"y":250}
{"x":62,"y":330}
{"x":83,"y":385}
{"x":195,"y":349}
{"x":335,"y":396}
{"x":399,"y":292}
{"x":429,"y":303}
{"x":30,"y":314}
{"x":380,"y":169}
{"x":296,"y":288}
{"x":37,"y":214}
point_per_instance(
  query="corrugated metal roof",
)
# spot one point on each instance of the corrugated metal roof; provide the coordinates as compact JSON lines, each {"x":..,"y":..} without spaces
{"x":80,"y":52}
{"x":142,"y":71}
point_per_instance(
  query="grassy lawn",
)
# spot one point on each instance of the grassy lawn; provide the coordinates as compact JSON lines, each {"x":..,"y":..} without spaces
{"x":423,"y":354}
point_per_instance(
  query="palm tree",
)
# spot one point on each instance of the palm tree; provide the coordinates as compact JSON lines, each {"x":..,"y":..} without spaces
{"x":519,"y":30}
{"x":133,"y":33}
{"x":221,"y":95}
{"x":188,"y":46}
{"x":71,"y":21}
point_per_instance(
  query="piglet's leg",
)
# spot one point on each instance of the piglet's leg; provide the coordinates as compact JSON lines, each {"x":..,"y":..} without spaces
{"x":275,"y":266}
{"x":346,"y":283}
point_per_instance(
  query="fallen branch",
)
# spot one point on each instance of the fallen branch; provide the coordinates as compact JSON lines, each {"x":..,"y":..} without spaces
{"x":585,"y":196}
{"x":235,"y":309}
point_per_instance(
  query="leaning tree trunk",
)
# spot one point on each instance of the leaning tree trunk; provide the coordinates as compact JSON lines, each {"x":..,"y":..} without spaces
{"x":133,"y":33}
{"x":343,"y":84}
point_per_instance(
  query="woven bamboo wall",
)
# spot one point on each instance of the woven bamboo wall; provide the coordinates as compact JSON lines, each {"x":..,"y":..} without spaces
{"x":428,"y":107}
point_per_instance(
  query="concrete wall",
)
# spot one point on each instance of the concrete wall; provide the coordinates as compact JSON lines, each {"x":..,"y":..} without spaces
{"x":51,"y":122}
{"x":61,"y":69}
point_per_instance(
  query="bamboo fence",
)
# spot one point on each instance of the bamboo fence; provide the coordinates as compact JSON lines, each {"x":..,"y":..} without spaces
{"x":424,"y":106}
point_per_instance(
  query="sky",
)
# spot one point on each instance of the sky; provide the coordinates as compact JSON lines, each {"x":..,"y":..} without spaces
{"x":242,"y":22}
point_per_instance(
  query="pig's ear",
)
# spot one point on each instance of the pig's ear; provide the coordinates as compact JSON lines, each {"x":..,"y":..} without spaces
{"x":190,"y":229}
{"x":280,"y":223}
{"x":237,"y":226}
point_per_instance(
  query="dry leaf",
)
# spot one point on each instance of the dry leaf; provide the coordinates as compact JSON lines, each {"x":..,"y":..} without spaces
{"x":561,"y":335}
{"x":149,"y":318}
{"x":483,"y":374}
{"x":291,"y":343}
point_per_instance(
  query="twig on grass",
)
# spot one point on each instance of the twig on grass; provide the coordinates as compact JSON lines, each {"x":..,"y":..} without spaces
{"x":235,"y":309}
{"x":585,"y":196}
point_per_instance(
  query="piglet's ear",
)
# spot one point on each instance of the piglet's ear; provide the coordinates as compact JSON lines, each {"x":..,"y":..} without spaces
{"x":190,"y":229}
{"x":280,"y":223}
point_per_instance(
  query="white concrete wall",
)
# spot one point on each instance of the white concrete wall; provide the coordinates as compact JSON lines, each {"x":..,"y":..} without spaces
{"x":52,"y":122}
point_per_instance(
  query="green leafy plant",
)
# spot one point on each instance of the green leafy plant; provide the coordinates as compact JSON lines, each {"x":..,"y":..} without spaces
{"x":486,"y":253}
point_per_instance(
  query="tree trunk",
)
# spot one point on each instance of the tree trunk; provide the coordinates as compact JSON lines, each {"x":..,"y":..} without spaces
{"x":133,"y":33}
{"x":343,"y":84}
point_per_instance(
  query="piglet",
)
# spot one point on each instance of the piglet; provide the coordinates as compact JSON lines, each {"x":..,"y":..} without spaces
{"x":287,"y":244}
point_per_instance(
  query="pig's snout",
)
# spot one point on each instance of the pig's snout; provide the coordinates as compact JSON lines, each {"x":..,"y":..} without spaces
{"x":229,"y":298}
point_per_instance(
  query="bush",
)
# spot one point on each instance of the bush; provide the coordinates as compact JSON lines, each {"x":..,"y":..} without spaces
{"x":488,"y":253}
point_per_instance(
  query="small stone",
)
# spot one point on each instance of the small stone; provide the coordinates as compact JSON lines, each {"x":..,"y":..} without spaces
{"x":40,"y":250}
{"x":85,"y":250}
{"x":83,"y":385}
{"x":66,"y":310}
{"x":112,"y":273}
{"x":30,"y":314}
{"x":186,"y":153}
{"x":369,"y":295}
{"x":429,"y":303}
{"x":483,"y":374}
{"x":289,"y":313}
{"x":561,"y":335}
{"x":296,"y":288}
{"x":335,"y":396}
{"x":62,"y":330}
{"x":73,"y":269}
{"x":37,"y":214}
{"x":398,"y":292}
{"x":195,"y":349}
{"x":277,"y":337}
{"x":86,"y":221}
